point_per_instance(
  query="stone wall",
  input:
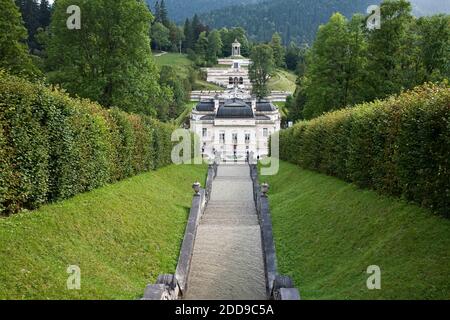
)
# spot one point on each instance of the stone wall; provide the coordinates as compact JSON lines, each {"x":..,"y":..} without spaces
{"x":173,"y":286}
{"x":279,"y":287}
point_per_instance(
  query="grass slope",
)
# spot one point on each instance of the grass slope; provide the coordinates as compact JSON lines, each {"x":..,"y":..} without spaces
{"x":327,"y":232}
{"x":179,"y":61}
{"x":283,"y":81}
{"x":122,"y":237}
{"x":182,"y":64}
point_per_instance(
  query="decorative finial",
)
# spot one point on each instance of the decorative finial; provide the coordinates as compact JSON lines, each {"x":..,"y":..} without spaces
{"x":196,"y":186}
{"x":265,"y":189}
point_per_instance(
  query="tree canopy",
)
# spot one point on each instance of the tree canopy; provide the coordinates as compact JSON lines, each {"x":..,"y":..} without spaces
{"x":109,"y":59}
{"x":14,"y":55}
{"x":261,"y":69}
{"x":349,"y":64}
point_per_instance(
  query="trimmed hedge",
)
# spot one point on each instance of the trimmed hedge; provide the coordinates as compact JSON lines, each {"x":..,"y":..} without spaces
{"x":399,"y":146}
{"x":53,"y":147}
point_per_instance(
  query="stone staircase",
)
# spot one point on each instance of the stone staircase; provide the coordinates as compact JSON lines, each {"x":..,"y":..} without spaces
{"x":228,"y":262}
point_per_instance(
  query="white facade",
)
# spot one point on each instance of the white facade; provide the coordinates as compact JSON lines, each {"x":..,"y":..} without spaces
{"x":234,"y":76}
{"x":236,"y":49}
{"x":233,"y":72}
{"x":235,"y":128}
{"x":233,"y":125}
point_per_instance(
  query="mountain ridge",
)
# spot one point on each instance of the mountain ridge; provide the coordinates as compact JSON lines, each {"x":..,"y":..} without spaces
{"x":179,"y":10}
{"x":267,"y":17}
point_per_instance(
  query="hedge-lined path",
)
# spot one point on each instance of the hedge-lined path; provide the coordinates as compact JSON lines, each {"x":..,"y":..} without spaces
{"x":228,"y":259}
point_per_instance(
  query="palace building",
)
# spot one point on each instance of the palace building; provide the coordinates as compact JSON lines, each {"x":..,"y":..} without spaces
{"x":233,"y":128}
{"x":233,"y":71}
{"x":233,"y":125}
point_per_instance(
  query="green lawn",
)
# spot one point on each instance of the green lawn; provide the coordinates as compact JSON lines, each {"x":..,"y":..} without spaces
{"x":283,"y":81}
{"x":182,"y":64}
{"x":327,"y":232}
{"x":176,"y":60}
{"x":122,"y":236}
{"x":203,"y":85}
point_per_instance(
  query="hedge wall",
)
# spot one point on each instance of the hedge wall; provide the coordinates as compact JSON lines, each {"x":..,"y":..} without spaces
{"x":399,"y":146}
{"x":53,"y":147}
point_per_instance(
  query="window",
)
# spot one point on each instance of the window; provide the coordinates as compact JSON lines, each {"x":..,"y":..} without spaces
{"x":265,"y":132}
{"x":241,"y":80}
{"x":204,"y":132}
{"x":247,"y":138}
{"x":222,"y":137}
{"x":235,"y":138}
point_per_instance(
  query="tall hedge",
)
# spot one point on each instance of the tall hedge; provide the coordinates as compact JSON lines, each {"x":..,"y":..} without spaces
{"x":53,"y":147}
{"x":399,"y":146}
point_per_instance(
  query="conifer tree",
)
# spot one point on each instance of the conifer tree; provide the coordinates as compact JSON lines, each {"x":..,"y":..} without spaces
{"x":14,"y":55}
{"x":44,"y":14}
{"x":278,"y":50}
{"x":163,"y":14}
{"x":189,"y":40}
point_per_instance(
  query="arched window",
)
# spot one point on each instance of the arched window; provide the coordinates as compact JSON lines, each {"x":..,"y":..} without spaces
{"x":241,"y":80}
{"x":236,"y":81}
{"x":230,"y":81}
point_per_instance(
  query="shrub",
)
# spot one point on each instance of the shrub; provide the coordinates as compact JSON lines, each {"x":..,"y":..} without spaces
{"x":399,"y":146}
{"x":26,"y":144}
{"x":125,"y":148}
{"x":53,"y":147}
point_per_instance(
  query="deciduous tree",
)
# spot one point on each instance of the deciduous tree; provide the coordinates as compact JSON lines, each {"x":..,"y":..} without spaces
{"x":261,"y":69}
{"x":109,"y":59}
{"x":214,"y":46}
{"x":335,"y":67}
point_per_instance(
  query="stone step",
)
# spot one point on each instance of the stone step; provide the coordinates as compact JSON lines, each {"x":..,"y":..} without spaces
{"x":222,"y":203}
{"x":237,"y":170}
{"x":231,"y":205}
{"x":227,"y":264}
{"x":229,"y":214}
{"x":232,"y":178}
{"x":226,"y":221}
{"x":232,"y":191}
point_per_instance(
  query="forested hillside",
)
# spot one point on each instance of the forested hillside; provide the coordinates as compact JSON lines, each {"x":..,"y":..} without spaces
{"x":182,"y":9}
{"x":295,"y":20}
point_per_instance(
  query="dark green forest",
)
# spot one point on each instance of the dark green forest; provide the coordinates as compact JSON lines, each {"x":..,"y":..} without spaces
{"x":295,"y":20}
{"x":179,"y":10}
